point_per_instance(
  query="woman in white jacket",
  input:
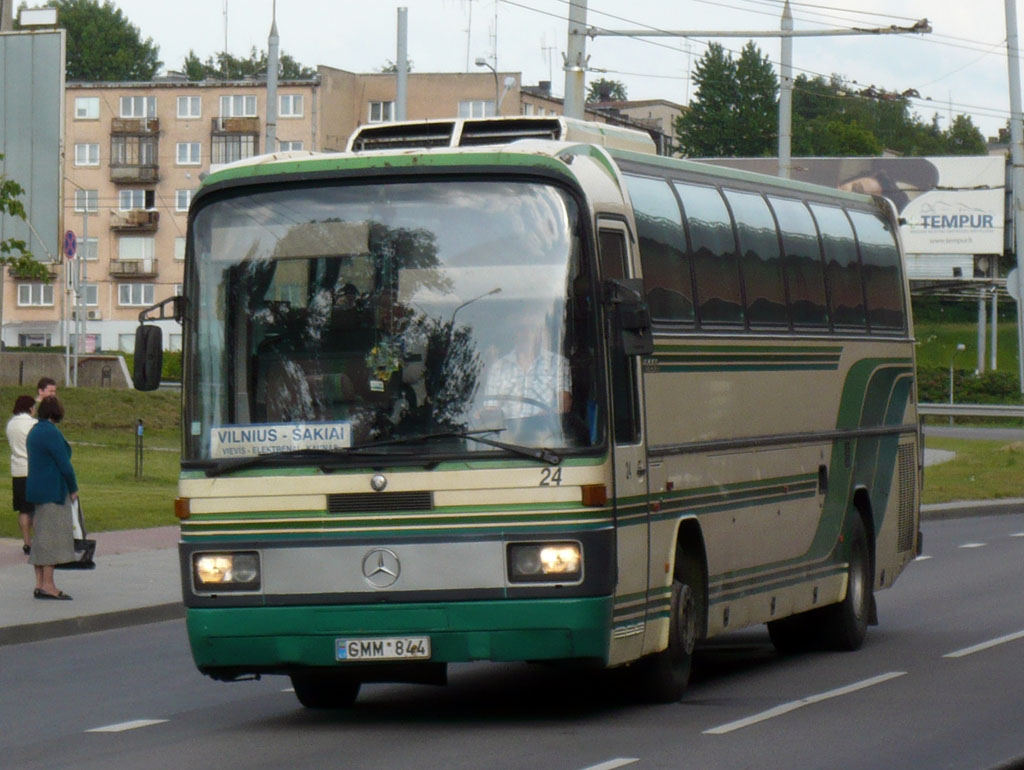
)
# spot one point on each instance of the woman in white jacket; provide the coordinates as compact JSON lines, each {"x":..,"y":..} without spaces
{"x":17,"y":431}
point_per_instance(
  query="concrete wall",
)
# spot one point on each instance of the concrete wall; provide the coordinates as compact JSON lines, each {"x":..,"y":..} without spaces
{"x":25,"y":369}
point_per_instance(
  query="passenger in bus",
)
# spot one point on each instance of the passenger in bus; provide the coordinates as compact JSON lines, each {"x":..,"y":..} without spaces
{"x":531,"y":380}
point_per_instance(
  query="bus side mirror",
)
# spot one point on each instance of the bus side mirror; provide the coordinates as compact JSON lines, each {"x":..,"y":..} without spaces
{"x":631,"y":318}
{"x":149,"y":357}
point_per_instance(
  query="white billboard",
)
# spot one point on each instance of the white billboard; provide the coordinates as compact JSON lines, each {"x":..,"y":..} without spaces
{"x":949,"y":204}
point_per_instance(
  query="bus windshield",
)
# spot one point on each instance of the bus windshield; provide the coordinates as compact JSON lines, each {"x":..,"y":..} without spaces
{"x":413,"y":317}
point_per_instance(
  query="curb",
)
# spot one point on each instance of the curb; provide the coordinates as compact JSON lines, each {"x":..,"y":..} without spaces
{"x":971,"y":508}
{"x":35,"y":632}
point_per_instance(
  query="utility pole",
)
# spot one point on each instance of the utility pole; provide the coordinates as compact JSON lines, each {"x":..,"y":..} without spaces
{"x":402,"y":64}
{"x":786,"y":65}
{"x":575,"y":63}
{"x":272,"y":66}
{"x":1017,"y":163}
{"x":786,"y":94}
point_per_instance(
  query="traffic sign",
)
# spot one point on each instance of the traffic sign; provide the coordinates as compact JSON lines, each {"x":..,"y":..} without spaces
{"x":70,"y":244}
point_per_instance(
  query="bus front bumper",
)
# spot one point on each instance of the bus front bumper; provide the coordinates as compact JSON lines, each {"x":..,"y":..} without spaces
{"x":281,"y":639}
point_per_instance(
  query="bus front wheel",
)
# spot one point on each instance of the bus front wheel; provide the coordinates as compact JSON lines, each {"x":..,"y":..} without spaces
{"x":664,"y":675}
{"x":324,"y":690}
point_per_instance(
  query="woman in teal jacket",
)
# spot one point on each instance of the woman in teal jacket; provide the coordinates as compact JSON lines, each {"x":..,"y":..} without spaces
{"x":51,"y":485}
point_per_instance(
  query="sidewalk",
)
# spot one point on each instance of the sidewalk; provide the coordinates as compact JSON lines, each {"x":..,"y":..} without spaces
{"x":137,"y":580}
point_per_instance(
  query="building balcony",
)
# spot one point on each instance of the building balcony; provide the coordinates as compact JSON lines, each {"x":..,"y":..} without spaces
{"x":148,"y":174}
{"x":135,"y":126}
{"x":135,"y":220}
{"x":235,"y":126}
{"x":133,"y":268}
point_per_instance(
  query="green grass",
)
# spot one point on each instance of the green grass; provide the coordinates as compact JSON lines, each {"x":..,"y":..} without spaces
{"x":982,"y":470}
{"x":100,"y":425}
{"x":936,"y":343}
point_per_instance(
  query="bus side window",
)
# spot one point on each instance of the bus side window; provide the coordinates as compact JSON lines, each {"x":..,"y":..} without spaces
{"x":626,"y":407}
{"x":880,"y":258}
{"x":715,"y":267}
{"x":842,"y":268}
{"x":760,"y":260}
{"x":805,"y":276}
{"x":666,"y":265}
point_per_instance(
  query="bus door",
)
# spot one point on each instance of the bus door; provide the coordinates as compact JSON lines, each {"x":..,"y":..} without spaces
{"x":630,"y":464}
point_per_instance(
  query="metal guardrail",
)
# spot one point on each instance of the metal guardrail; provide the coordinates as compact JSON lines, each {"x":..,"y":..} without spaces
{"x":970,"y":410}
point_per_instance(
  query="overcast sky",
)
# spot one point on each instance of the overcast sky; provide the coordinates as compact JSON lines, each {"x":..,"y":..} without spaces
{"x":959,"y":67}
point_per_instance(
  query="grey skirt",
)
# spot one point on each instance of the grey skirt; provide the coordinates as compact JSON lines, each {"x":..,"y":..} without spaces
{"x":53,"y":537}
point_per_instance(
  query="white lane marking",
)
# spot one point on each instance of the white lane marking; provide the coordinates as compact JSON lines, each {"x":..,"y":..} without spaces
{"x":785,"y":708}
{"x":288,"y":689}
{"x":923,"y":558}
{"x":1017,"y":534}
{"x":120,"y":727}
{"x":611,"y":764}
{"x":985,"y":645}
{"x":973,"y":545}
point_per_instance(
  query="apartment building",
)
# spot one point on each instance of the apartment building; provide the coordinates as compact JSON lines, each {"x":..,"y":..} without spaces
{"x":134,"y":153}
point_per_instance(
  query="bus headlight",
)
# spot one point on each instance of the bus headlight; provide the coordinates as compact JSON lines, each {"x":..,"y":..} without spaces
{"x":226,"y":571}
{"x":545,"y":562}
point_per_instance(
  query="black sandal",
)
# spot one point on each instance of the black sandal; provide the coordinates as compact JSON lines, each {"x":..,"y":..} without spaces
{"x":39,"y":593}
{"x":26,"y":549}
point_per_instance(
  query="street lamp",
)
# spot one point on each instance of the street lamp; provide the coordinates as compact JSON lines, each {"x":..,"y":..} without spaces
{"x":482,"y":62}
{"x":960,"y":348}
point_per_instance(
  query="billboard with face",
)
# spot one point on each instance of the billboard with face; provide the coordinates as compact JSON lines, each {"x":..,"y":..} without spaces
{"x":949,"y":204}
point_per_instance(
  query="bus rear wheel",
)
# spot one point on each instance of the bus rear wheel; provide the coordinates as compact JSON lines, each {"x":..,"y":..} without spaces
{"x":663,"y":676}
{"x":325,"y":690}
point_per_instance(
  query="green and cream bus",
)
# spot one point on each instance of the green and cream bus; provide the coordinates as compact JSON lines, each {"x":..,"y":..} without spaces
{"x":543,"y":400}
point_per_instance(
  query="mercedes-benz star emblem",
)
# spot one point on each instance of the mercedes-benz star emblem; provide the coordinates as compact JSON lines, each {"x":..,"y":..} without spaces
{"x":381,"y":568}
{"x":378,"y":482}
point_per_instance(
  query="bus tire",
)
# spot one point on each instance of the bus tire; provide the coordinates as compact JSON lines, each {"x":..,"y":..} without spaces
{"x":663,"y":676}
{"x":843,"y":626}
{"x":324,"y":690}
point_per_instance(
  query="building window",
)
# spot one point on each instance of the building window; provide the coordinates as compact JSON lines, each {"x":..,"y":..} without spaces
{"x":189,"y":153}
{"x":179,"y":249}
{"x":87,"y":200}
{"x":382,"y":112}
{"x":138,"y":106}
{"x":34,"y":340}
{"x":288,"y":146}
{"x":136,"y":247}
{"x":87,"y":108}
{"x":35,"y":295}
{"x":476,"y":108}
{"x":126,"y":343}
{"x":290,"y":106}
{"x":238,"y":106}
{"x":88,"y":249}
{"x":190,"y":107}
{"x":87,"y":155}
{"x":228,"y":148}
{"x":134,"y":294}
{"x":178,"y":289}
{"x":182,"y":199}
{"x":136,"y":199}
{"x":91,"y":293}
{"x":132,"y":150}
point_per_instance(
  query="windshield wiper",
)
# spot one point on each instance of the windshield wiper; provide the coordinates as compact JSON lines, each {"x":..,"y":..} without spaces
{"x":543,"y":454}
{"x":227,"y":466}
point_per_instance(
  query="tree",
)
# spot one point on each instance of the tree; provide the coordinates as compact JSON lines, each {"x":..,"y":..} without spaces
{"x":13,"y":251}
{"x":757,"y":111}
{"x":604,"y":90}
{"x":224,"y":66}
{"x":964,"y":138}
{"x":706,"y":129}
{"x":734,"y":109}
{"x":391,"y":68}
{"x":102,"y":44}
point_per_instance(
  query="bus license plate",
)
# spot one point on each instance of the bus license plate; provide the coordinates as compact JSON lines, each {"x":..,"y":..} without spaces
{"x":383,"y":648}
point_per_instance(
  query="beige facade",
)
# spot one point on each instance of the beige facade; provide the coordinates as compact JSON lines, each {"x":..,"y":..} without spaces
{"x":133,"y":155}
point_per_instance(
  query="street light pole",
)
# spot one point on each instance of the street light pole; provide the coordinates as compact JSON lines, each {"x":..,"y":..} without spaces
{"x":482,"y":62}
